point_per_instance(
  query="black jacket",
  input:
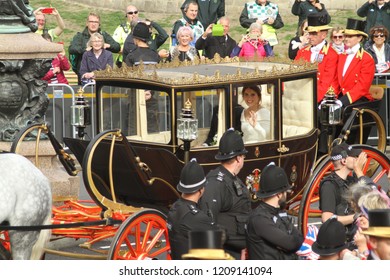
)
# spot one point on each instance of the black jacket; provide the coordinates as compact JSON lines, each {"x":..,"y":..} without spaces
{"x":271,"y":235}
{"x":208,"y":11}
{"x":375,"y":16}
{"x":304,"y":8}
{"x":183,"y":217}
{"x":370,"y":49}
{"x":228,"y":199}
{"x":146,"y":55}
{"x":245,"y":21}
{"x":154,"y":42}
{"x":212,"y":45}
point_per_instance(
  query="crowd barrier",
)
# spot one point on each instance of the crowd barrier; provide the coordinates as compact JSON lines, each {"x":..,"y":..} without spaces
{"x":58,"y":114}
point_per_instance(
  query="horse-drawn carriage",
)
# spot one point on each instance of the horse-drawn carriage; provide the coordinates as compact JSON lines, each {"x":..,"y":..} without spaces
{"x":150,"y":121}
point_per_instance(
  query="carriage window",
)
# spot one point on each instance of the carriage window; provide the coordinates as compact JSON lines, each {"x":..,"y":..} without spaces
{"x":297,"y":107}
{"x":141,"y":114}
{"x":253,"y":112}
{"x":211,"y":116}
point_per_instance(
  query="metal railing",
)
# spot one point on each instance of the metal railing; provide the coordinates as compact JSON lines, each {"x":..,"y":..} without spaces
{"x":58,"y":114}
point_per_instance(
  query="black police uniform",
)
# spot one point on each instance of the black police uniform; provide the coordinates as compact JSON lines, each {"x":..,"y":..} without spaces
{"x":183,"y":217}
{"x":333,"y":190}
{"x":272,"y":235}
{"x":228,"y":199}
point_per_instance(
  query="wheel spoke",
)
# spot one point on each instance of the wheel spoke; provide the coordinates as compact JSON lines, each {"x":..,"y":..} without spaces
{"x":154,"y":240}
{"x":147,"y":229}
{"x":137,"y":234}
{"x":380,"y":175}
{"x":146,"y":236}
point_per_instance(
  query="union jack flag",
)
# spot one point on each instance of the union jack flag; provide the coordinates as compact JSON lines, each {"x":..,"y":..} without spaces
{"x":305,"y":251}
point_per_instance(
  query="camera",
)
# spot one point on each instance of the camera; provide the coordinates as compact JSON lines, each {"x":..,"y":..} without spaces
{"x":47,"y":10}
{"x":265,"y":20}
{"x":253,"y":36}
{"x":217,"y":30}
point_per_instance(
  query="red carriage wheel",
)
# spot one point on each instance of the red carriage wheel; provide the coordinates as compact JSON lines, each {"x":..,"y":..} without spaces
{"x":376,"y":167}
{"x":143,"y":235}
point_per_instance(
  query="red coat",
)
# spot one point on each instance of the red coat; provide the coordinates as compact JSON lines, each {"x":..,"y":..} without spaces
{"x":359,"y":76}
{"x":63,"y":63}
{"x":327,"y":69}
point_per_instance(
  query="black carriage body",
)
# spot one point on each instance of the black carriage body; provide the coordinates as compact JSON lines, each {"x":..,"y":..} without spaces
{"x":288,"y":91}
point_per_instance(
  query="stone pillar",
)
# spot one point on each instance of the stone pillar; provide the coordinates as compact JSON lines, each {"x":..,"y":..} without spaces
{"x":25,"y":57}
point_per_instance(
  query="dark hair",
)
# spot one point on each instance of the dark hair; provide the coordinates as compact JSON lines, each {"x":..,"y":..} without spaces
{"x":254,"y":88}
{"x":301,"y":28}
{"x":378,"y":28}
{"x":186,"y":6}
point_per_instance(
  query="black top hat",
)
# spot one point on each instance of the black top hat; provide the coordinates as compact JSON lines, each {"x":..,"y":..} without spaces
{"x":273,"y":180}
{"x":207,"y":244}
{"x":192,"y":178}
{"x":379,"y":223}
{"x":344,"y":150}
{"x":141,"y":31}
{"x":206,"y":239}
{"x":330,"y":239}
{"x":317,"y":22}
{"x":355,"y":27}
{"x":230,"y":145}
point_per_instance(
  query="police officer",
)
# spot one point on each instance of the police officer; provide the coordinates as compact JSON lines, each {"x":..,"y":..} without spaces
{"x":348,"y":165}
{"x":270,"y":232}
{"x":184,"y":215}
{"x":226,"y":196}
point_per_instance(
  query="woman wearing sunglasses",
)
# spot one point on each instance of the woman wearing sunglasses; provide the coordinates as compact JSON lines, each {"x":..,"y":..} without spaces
{"x":378,"y":47}
{"x":337,"y":39}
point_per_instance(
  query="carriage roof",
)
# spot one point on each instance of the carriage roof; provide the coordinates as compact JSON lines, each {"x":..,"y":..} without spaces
{"x":208,"y":72}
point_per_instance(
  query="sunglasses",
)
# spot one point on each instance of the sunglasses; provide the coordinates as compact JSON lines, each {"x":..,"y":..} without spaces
{"x":379,"y":36}
{"x":130,"y":13}
{"x":378,"y":29}
{"x":338,"y":37}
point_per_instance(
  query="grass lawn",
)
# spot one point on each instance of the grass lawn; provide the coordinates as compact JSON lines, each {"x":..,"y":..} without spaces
{"x":75,"y":15}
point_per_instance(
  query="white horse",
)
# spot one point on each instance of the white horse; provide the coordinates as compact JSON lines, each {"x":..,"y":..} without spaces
{"x":25,"y":200}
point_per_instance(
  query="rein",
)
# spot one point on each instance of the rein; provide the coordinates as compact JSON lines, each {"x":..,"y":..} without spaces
{"x":107,"y":222}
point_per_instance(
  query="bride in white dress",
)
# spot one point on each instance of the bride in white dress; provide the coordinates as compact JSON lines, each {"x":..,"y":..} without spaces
{"x":255,"y":120}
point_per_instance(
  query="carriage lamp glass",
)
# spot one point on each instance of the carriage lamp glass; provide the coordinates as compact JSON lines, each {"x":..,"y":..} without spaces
{"x":330,"y":109}
{"x":80,"y":113}
{"x":187,"y":125}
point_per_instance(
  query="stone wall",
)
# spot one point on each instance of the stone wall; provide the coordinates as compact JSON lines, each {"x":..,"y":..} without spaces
{"x":233,"y":7}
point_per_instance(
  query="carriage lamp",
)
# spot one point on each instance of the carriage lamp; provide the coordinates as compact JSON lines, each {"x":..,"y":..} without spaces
{"x":80,"y":114}
{"x":330,"y":109}
{"x":187,"y":128}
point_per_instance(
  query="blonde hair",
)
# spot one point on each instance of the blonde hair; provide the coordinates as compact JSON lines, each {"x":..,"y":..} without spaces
{"x":95,"y":36}
{"x":92,"y":14}
{"x":356,"y":191}
{"x":185,"y":29}
{"x":373,"y":200}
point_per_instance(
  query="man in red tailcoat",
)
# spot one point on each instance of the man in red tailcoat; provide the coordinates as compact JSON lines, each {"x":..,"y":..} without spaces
{"x":319,"y":51}
{"x":356,"y":67}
